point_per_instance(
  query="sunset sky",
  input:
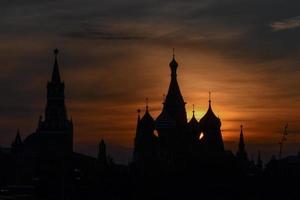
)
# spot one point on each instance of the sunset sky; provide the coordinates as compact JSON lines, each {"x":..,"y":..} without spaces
{"x":115,"y":54}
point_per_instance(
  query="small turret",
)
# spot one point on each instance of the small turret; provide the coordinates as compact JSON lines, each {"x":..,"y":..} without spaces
{"x":194,"y":126}
{"x":241,"y":152}
{"x":147,"y":122}
{"x":145,"y":140}
{"x":102,"y":156}
{"x":17,"y":144}
{"x":17,"y":141}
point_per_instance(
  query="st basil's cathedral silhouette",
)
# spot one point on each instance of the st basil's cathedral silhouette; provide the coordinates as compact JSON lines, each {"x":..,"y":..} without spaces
{"x":177,"y":140}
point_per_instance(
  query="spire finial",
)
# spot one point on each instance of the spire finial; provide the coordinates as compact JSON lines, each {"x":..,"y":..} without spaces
{"x":241,"y":127}
{"x":138,"y":117}
{"x":56,"y":51}
{"x":173,"y":53}
{"x":173,"y":64}
{"x":147,"y":104}
{"x":55,"y":73}
{"x":209,"y":97}
{"x":193,"y":110}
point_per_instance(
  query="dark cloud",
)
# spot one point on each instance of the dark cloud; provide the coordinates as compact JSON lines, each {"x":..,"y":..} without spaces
{"x":96,"y":35}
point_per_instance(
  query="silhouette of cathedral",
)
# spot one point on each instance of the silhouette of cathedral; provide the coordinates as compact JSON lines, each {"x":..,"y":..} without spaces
{"x":177,"y":138}
{"x":170,"y":155}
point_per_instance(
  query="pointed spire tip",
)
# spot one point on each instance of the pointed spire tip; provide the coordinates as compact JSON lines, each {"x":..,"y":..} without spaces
{"x":173,"y":53}
{"x":55,"y":72}
{"x":56,"y":51}
{"x":147,"y":107}
{"x":193,"y":110}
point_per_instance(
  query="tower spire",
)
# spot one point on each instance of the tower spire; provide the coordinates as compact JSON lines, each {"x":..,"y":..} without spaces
{"x":174,"y":103}
{"x":173,"y":65}
{"x":56,"y":113}
{"x":193,"y":110}
{"x":173,"y":53}
{"x":209,"y":98}
{"x":139,"y":117}
{"x":18,"y":140}
{"x":147,"y":108}
{"x":242,"y":153}
{"x":55,"y":73}
{"x":242,"y":142}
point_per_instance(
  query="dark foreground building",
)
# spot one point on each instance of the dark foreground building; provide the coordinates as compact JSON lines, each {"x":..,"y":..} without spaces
{"x":44,"y":165}
{"x":173,"y":158}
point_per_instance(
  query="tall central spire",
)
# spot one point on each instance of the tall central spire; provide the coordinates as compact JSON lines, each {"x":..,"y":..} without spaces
{"x":174,"y":103}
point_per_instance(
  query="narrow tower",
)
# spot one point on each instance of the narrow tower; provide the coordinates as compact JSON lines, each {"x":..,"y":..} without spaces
{"x":145,"y":140}
{"x":17,"y":144}
{"x":102,"y":156}
{"x":174,"y":103}
{"x":56,"y":130}
{"x":55,"y":114}
{"x":241,"y":152}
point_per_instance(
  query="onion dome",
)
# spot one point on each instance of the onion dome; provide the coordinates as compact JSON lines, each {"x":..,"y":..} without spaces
{"x":193,"y":123}
{"x":164,"y":121}
{"x":210,"y":120}
{"x":146,"y":120}
{"x":173,"y":65}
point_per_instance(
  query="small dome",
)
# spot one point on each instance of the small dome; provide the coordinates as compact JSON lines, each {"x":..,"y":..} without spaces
{"x":193,"y":123}
{"x":164,"y":121}
{"x":210,"y":120}
{"x":147,"y":119}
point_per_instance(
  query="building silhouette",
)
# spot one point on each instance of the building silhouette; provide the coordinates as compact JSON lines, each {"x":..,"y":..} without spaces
{"x":45,"y":158}
{"x":173,"y":158}
{"x":178,"y":140}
